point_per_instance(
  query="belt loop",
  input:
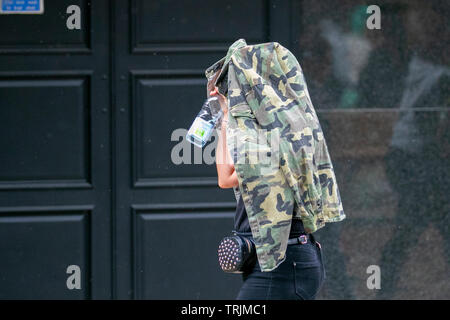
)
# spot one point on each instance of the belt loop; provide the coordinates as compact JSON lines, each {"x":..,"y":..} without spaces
{"x":303,"y":239}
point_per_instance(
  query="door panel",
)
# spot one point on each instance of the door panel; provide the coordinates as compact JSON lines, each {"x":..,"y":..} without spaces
{"x":37,"y":245}
{"x":37,"y":149}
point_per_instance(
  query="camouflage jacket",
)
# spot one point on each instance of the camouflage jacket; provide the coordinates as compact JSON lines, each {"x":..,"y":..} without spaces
{"x":278,"y":147}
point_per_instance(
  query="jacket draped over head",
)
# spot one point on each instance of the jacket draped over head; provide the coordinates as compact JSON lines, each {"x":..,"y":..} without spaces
{"x":278,"y":146}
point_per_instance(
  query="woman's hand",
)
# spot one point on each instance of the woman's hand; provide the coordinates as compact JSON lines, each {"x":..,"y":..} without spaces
{"x":222,"y":100}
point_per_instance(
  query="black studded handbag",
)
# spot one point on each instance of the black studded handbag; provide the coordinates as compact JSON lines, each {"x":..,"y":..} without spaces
{"x":236,"y":254}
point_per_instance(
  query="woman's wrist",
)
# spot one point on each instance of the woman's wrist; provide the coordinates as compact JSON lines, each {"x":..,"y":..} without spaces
{"x":225,"y":116}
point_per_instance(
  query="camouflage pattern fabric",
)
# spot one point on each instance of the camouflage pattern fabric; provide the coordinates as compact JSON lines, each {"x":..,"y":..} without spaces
{"x":275,"y":138}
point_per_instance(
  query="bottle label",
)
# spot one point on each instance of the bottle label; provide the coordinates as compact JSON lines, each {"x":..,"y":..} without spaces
{"x":200,"y":129}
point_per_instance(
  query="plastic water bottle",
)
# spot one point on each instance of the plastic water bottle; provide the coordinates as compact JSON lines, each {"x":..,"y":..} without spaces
{"x":207,"y":119}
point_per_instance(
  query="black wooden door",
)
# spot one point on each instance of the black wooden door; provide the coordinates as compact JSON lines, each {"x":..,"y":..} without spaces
{"x":89,"y":120}
{"x":172,"y":216}
{"x":55,"y":177}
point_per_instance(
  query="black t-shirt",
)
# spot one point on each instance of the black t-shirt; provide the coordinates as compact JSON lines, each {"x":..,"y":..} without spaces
{"x":242,"y":225}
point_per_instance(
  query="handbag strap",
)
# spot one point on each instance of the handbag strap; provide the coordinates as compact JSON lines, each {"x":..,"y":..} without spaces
{"x":244,"y":234}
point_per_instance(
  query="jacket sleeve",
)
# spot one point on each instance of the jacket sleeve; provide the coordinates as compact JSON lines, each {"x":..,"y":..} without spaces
{"x":308,"y":160}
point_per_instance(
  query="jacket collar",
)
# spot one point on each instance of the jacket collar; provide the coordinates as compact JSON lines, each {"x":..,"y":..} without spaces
{"x":223,"y":63}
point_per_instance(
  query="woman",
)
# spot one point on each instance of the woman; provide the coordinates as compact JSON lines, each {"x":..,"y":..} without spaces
{"x":302,"y":273}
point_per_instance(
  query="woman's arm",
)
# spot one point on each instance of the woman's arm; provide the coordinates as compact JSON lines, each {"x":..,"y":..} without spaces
{"x":226,"y":173}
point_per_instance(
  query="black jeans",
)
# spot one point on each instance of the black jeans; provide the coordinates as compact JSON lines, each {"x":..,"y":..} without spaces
{"x":299,"y":277}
